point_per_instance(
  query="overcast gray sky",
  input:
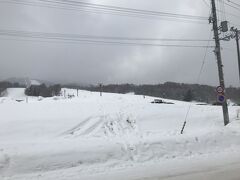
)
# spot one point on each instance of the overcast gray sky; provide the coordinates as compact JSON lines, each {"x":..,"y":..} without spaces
{"x":95,"y":63}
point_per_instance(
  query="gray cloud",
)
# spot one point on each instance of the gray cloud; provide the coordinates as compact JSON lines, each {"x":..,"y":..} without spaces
{"x":93,"y":63}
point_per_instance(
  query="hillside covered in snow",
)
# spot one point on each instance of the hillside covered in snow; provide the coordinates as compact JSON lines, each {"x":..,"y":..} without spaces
{"x":88,"y":136}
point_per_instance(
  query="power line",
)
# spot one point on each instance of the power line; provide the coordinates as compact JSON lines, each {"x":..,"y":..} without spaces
{"x":75,"y":36}
{"x":112,"y":43}
{"x":234,"y":3}
{"x":95,"y":39}
{"x":222,"y":4}
{"x":232,"y":6}
{"x":198,"y":79}
{"x":205,"y":2}
{"x":116,"y":8}
{"x":218,"y":10}
{"x":88,"y":7}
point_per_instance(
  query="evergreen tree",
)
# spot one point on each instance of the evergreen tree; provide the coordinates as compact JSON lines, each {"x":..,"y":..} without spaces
{"x":188,"y":97}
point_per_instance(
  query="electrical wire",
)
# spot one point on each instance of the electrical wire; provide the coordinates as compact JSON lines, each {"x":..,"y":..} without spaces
{"x":230,"y":1}
{"x":114,"y":10}
{"x":121,"y":9}
{"x":98,"y":39}
{"x":232,"y":6}
{"x":218,"y":10}
{"x":205,"y":2}
{"x":198,"y":80}
{"x":222,"y":4}
{"x":75,"y":36}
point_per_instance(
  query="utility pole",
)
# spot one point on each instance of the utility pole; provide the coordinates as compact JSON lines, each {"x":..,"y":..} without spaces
{"x":219,"y":59}
{"x":101,"y":88}
{"x":237,"y":41}
{"x":236,"y":35}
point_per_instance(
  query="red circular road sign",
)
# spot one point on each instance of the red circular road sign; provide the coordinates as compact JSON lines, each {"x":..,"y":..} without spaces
{"x":220,"y":90}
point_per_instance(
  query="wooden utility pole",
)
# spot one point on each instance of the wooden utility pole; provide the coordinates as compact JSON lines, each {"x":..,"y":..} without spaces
{"x":238,"y":52}
{"x":219,"y":59}
{"x":101,"y":89}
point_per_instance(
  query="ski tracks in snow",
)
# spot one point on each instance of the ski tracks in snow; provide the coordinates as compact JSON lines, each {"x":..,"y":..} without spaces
{"x":105,"y":126}
{"x":88,"y":127}
{"x":120,"y":128}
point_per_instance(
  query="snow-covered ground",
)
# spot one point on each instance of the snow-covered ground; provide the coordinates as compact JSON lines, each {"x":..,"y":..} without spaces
{"x":15,"y":93}
{"x":111,"y":137}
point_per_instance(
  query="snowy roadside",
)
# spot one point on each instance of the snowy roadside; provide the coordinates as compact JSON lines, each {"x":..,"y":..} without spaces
{"x":222,"y":166}
{"x":98,"y":154}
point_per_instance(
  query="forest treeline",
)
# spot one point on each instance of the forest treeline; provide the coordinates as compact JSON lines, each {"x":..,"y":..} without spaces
{"x":33,"y":90}
{"x":168,"y":90}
